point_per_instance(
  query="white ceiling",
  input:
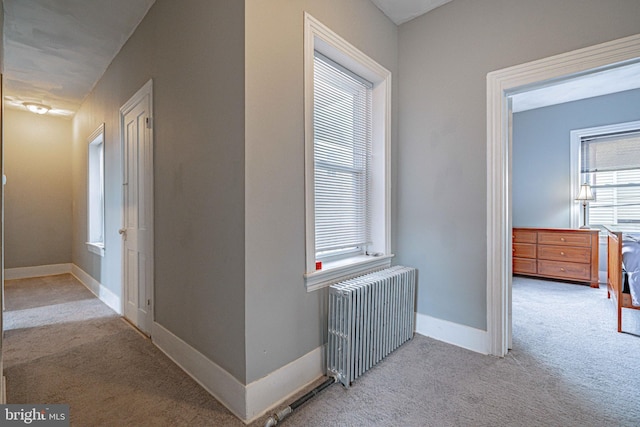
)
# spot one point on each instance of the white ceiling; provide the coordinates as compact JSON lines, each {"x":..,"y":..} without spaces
{"x":595,"y":84}
{"x":401,"y":11}
{"x":56,"y":50}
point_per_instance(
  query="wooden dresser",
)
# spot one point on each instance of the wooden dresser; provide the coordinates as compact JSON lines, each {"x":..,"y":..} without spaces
{"x":557,"y":253}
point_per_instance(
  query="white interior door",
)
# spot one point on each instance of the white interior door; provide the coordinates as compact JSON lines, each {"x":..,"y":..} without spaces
{"x":137,"y":230}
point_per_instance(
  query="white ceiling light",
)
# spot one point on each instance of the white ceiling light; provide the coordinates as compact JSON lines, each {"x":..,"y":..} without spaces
{"x":34,"y":107}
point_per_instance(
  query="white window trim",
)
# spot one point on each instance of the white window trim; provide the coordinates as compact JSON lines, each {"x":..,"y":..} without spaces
{"x":576,"y":137}
{"x":97,"y":248}
{"x":319,"y":37}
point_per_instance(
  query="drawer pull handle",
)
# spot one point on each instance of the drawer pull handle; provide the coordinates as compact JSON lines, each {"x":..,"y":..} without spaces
{"x":562,"y":239}
{"x":562,"y":253}
{"x":561,"y":268}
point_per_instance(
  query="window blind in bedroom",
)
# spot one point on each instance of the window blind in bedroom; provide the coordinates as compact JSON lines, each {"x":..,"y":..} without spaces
{"x":342,"y":154}
{"x":611,"y":164}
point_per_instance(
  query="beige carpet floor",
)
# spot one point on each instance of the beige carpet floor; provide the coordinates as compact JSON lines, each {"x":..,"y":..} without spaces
{"x":568,"y":368}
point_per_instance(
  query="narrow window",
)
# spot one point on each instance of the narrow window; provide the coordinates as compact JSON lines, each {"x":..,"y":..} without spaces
{"x":95,"y":192}
{"x":347,"y":157}
{"x":342,"y":153}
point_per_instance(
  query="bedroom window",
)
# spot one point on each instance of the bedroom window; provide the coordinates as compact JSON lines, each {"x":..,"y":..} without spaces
{"x":95,"y":192}
{"x":347,"y":132}
{"x":611,"y":164}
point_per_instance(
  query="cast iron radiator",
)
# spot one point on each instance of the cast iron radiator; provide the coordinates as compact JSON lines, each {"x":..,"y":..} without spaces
{"x":369,"y":317}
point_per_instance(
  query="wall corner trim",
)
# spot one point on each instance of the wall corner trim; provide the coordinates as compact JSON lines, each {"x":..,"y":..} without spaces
{"x":36,"y":271}
{"x":275,"y":388}
{"x":246,"y":402}
{"x":452,"y":333}
{"x":98,"y":289}
{"x":105,"y":295}
{"x":213,"y":378}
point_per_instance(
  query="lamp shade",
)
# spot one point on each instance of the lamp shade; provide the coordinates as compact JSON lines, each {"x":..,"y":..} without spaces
{"x":585,"y":192}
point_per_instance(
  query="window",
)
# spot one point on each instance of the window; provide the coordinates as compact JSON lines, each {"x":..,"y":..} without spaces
{"x":610,"y":162}
{"x":342,"y":153}
{"x":95,"y":192}
{"x":347,"y":133}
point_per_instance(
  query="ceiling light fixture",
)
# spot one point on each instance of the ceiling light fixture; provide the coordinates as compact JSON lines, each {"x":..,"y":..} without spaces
{"x":34,"y":107}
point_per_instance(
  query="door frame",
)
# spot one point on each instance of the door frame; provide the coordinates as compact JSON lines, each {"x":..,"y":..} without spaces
{"x":501,"y":85}
{"x":145,"y":90}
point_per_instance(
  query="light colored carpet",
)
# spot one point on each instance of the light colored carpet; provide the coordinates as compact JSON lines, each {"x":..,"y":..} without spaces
{"x":63,"y":345}
{"x":568,"y":368}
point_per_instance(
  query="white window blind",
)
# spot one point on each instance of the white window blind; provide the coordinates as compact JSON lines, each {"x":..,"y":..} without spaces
{"x":342,"y":154}
{"x":611,"y":164}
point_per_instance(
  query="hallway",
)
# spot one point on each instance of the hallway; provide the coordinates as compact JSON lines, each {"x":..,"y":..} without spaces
{"x":63,"y":345}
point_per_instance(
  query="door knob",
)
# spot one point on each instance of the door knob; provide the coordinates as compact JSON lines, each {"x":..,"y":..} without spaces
{"x":122,"y":230}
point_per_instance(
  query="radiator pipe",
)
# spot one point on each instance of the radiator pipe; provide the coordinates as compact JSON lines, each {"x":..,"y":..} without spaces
{"x":284,"y":413}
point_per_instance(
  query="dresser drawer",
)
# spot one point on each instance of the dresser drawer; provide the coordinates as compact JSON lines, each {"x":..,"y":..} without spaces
{"x":571,"y":239}
{"x":565,"y":253}
{"x":564,"y":270}
{"x":524,"y":236}
{"x":524,"y":250}
{"x":524,"y":266}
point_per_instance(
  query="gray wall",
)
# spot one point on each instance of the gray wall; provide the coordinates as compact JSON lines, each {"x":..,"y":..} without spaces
{"x":194,"y":51}
{"x":229,"y":169}
{"x":444,"y":57}
{"x":196,"y":56}
{"x":541,"y":177}
{"x":283,"y":321}
{"x":37,"y":162}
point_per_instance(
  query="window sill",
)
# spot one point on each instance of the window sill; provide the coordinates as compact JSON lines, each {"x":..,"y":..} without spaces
{"x":96,"y":248}
{"x":334,"y":272}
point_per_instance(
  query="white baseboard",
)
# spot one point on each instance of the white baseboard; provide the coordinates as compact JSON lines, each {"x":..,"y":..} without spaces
{"x":453,"y":333}
{"x":218,"y":382}
{"x":246,"y":402}
{"x":103,"y":293}
{"x":275,"y":388}
{"x":36,"y":271}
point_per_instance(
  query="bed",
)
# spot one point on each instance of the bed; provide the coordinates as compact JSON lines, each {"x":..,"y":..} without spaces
{"x":623,"y":271}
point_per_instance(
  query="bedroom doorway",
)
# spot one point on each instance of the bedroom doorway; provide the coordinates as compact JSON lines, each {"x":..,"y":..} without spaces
{"x":502,"y":85}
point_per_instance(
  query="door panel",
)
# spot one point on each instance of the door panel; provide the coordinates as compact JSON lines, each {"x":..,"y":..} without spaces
{"x":137,"y":212}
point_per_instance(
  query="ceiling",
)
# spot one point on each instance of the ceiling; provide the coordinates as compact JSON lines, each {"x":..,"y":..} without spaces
{"x":401,"y":11}
{"x":56,"y":51}
{"x":599,"y":83}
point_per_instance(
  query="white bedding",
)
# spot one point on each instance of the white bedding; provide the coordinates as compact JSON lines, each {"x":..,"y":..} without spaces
{"x":631,"y":263}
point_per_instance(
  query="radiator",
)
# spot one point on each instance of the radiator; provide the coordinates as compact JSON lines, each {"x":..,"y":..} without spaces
{"x":369,"y":317}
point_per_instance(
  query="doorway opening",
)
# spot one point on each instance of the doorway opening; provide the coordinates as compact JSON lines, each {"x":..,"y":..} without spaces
{"x":501,"y":86}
